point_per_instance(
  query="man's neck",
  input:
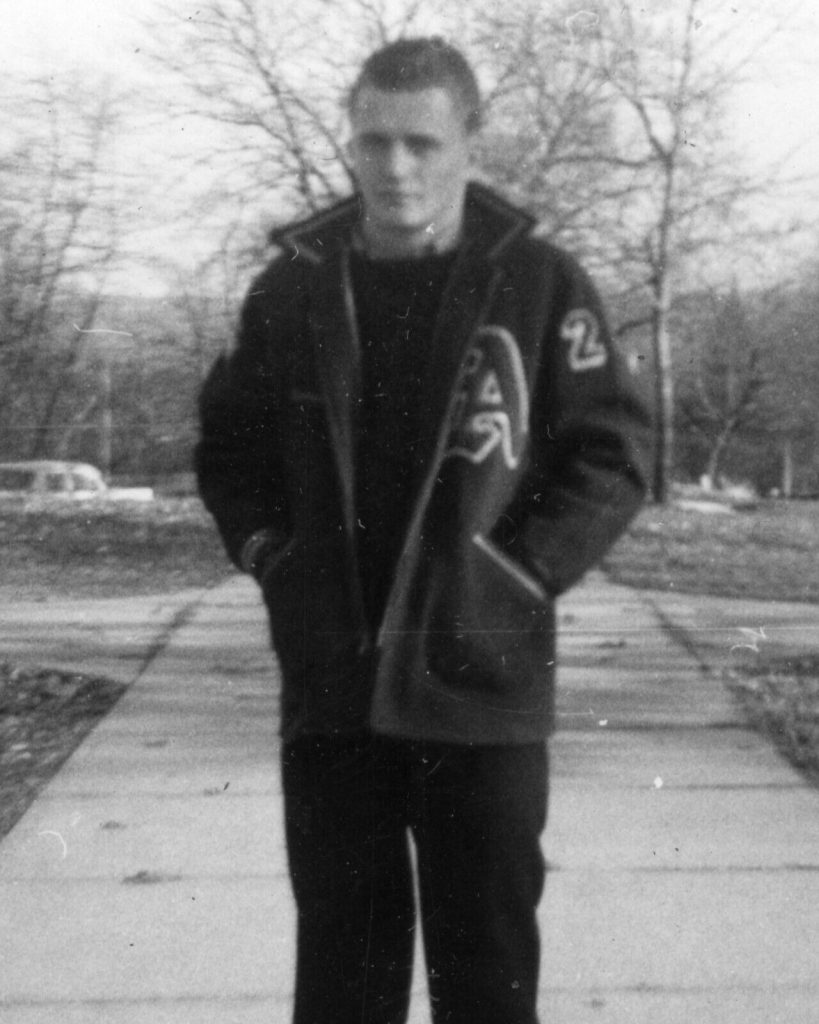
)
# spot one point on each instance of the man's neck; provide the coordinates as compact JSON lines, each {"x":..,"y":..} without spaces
{"x":389,"y":244}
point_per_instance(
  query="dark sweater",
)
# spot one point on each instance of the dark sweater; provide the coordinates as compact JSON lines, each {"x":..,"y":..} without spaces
{"x":397,"y":302}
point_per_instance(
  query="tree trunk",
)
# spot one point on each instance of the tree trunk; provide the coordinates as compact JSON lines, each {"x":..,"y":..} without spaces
{"x":106,"y":418}
{"x":712,"y":465}
{"x":664,"y":391}
{"x":42,"y":445}
{"x":787,"y":468}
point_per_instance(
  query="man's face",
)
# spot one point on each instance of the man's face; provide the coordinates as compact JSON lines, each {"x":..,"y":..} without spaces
{"x":411,"y":157}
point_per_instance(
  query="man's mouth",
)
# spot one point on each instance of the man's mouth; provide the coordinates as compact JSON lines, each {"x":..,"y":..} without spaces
{"x":397,"y":198}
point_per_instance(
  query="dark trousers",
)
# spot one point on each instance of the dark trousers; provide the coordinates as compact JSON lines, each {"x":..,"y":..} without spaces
{"x":476,"y":815}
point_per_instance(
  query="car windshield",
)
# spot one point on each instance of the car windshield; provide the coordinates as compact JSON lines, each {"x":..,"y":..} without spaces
{"x":85,"y":481}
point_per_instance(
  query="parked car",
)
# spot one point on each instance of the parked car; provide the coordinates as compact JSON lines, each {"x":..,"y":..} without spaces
{"x":76,"y":480}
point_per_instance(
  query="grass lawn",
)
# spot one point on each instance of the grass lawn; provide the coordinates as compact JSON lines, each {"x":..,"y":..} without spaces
{"x":782,"y":700}
{"x":44,"y":716}
{"x":107,"y":549}
{"x":771,"y":553}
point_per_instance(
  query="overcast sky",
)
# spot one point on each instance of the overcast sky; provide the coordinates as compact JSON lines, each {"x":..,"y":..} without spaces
{"x":780,"y":107}
{"x":775,"y":115}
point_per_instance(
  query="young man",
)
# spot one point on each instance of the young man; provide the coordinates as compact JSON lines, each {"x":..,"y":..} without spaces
{"x":423,"y":436}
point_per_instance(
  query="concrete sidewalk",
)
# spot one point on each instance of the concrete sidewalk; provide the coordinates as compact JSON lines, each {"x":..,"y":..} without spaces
{"x":148,"y":882}
{"x":116,"y":638}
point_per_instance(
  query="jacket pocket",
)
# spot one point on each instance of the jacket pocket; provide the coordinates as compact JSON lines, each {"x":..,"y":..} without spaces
{"x":276,"y":557}
{"x":491,"y":631}
{"x":308,"y":607}
{"x":513,"y":569}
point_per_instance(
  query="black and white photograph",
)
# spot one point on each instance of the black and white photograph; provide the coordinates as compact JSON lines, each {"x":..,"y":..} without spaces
{"x":409,"y":512}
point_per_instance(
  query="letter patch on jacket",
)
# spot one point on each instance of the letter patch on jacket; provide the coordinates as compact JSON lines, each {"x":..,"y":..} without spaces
{"x":492,"y":407}
{"x":581,"y":329}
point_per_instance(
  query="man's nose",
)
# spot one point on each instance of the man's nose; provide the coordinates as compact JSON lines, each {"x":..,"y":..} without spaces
{"x":399,"y":159}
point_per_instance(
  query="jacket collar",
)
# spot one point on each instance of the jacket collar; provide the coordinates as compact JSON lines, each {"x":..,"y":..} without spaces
{"x":491,"y":223}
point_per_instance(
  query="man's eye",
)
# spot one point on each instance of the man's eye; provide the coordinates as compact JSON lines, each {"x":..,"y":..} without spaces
{"x":421,"y":144}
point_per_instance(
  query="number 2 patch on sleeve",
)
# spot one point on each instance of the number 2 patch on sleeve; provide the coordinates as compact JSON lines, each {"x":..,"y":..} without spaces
{"x":581,"y":329}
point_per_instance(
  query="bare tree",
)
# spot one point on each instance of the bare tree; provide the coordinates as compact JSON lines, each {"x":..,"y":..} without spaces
{"x":58,"y":236}
{"x":608,"y":121}
{"x":548,"y":138}
{"x":274,"y":84}
{"x":671,"y":74}
{"x":793,"y":345}
{"x":275,"y":89}
{"x":747,"y":376}
{"x":726,"y":383}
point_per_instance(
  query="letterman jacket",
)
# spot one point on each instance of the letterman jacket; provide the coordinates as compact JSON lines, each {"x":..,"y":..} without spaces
{"x":534,"y":463}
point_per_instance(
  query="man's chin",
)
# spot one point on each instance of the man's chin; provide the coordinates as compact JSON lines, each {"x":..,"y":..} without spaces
{"x":401,"y":221}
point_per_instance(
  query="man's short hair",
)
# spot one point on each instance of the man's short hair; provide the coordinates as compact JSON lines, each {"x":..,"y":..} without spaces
{"x":409,"y":65}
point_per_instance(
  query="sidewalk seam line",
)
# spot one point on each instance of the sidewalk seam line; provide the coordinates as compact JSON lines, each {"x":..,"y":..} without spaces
{"x":180,"y":618}
{"x":679,"y":635}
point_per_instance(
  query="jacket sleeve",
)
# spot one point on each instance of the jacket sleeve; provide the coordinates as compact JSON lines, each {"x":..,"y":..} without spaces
{"x":591,"y":441}
{"x":238,"y":459}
